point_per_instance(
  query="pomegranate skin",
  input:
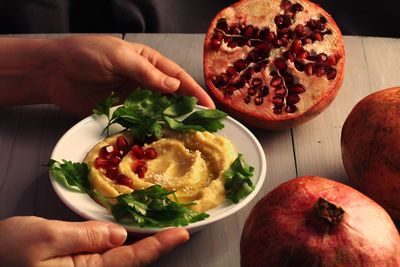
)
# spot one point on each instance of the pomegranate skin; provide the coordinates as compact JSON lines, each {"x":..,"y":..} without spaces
{"x":245,"y":106}
{"x":283,"y":228}
{"x":370,"y":143}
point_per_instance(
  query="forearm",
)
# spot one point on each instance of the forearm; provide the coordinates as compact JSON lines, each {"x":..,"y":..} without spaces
{"x":24,"y":71}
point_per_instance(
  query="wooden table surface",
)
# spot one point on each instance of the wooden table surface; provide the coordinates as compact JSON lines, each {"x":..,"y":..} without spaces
{"x":28,"y":135}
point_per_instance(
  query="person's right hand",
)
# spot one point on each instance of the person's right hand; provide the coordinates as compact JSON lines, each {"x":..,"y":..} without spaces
{"x":33,"y":241}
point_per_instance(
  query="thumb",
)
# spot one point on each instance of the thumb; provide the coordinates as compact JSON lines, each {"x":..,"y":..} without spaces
{"x":90,"y":236}
{"x":141,"y":70}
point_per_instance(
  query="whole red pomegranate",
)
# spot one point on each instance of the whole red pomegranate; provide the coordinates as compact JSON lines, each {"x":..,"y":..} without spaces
{"x":314,"y":221}
{"x":371,"y":148}
{"x":273,"y":64}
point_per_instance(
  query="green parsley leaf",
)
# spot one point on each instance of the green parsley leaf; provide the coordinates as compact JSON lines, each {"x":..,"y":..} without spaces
{"x":73,"y":176}
{"x":151,"y":207}
{"x":238,"y":182}
{"x":146,"y":113}
{"x":103,"y":107}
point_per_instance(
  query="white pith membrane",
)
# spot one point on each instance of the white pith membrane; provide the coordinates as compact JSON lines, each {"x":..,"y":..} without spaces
{"x":266,"y":100}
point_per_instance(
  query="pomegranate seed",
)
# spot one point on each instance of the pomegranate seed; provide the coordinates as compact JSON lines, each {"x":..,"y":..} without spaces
{"x":234,"y":30}
{"x":137,"y":151}
{"x":150,"y":153}
{"x":331,"y":60}
{"x":114,"y":161}
{"x":247,"y":99}
{"x":263,"y":33}
{"x":232,"y":43}
{"x":296,"y":46}
{"x":260,"y":66}
{"x":251,"y":91}
{"x":319,"y":25}
{"x":278,"y":101}
{"x":320,"y":71}
{"x":263,"y":50}
{"x":240,"y":64}
{"x":300,"y":31}
{"x":258,"y":100}
{"x":231,"y":71}
{"x":215,"y":43}
{"x":309,"y":69}
{"x":124,"y":180}
{"x":140,"y":168}
{"x":277,"y":43}
{"x":331,"y":74}
{"x":280,"y":63}
{"x":296,"y":88}
{"x":321,"y":57}
{"x":100,"y":162}
{"x":299,"y":65}
{"x":256,"y":82}
{"x":277,"y":110}
{"x":264,"y":91}
{"x":302,"y":54}
{"x":288,"y":55}
{"x":256,"y":33}
{"x":297,"y":7}
{"x":230,"y":89}
{"x":323,"y":19}
{"x":118,"y":153}
{"x":317,"y":36}
{"x":248,"y":31}
{"x":276,"y":81}
{"x":112,"y":172}
{"x":270,"y":37}
{"x":240,"y":83}
{"x":287,"y":21}
{"x":292,"y":99}
{"x":291,"y":108}
{"x":280,"y":91}
{"x":306,"y":41}
{"x":249,"y":72}
{"x":287,"y":77}
{"x":121,"y":142}
{"x":279,"y":21}
{"x":106,"y":151}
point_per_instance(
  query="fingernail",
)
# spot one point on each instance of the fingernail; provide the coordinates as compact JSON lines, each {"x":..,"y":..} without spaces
{"x":171,"y":83}
{"x":117,"y":234}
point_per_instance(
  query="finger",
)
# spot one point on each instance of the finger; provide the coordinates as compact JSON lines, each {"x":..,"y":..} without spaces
{"x":188,"y":85}
{"x":91,"y":236}
{"x":141,"y":70}
{"x":146,"y":250}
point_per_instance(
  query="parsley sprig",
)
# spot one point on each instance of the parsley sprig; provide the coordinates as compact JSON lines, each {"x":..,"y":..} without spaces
{"x":146,"y":113}
{"x":238,"y":182}
{"x":73,"y":176}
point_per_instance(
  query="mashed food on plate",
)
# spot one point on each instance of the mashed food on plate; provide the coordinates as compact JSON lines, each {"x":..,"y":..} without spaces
{"x":190,"y":163}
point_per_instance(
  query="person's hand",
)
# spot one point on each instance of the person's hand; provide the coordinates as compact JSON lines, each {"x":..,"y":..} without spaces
{"x":85,"y":69}
{"x":33,"y":241}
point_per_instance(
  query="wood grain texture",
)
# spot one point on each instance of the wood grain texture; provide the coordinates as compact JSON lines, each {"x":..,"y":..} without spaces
{"x":28,"y":135}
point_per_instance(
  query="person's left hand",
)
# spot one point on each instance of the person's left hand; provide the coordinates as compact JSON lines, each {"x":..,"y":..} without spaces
{"x":85,"y":69}
{"x":37,"y":242}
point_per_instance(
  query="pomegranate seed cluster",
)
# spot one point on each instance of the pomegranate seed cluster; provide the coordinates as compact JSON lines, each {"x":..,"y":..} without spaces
{"x":289,"y":42}
{"x":110,"y":157}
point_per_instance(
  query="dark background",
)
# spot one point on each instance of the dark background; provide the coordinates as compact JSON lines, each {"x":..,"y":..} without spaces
{"x":172,"y":16}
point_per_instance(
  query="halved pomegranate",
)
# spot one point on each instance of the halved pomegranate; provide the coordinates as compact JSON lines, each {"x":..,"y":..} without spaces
{"x":273,"y":64}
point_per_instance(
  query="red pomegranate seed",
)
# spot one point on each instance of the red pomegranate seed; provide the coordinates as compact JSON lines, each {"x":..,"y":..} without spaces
{"x":320,"y":71}
{"x":140,"y":168}
{"x":229,"y":89}
{"x":296,"y":88}
{"x":277,"y":43}
{"x":114,"y":161}
{"x":299,"y":65}
{"x":292,"y":99}
{"x":279,"y":21}
{"x":112,"y":172}
{"x":276,"y":81}
{"x":302,"y":54}
{"x":234,"y":30}
{"x":331,"y":74}
{"x":288,"y":55}
{"x":317,"y":36}
{"x":256,"y":82}
{"x":321,"y":57}
{"x":258,"y":100}
{"x":286,"y":5}
{"x":251,"y":91}
{"x":331,"y":60}
{"x":297,"y":7}
{"x":100,"y":162}
{"x":295,"y":46}
{"x":287,"y":77}
{"x":106,"y":151}
{"x":270,"y":37}
{"x":221,"y":80}
{"x":309,"y":69}
{"x":231,"y":71}
{"x":240,"y":64}
{"x":280,"y":91}
{"x":305,"y":41}
{"x":248,"y":31}
{"x":247,"y":99}
{"x":291,"y":108}
{"x":150,"y":153}
{"x":264,"y":91}
{"x":277,"y":110}
{"x":280,"y":63}
{"x":124,"y":180}
{"x":278,"y":101}
{"x":215,"y":43}
{"x":121,"y":142}
{"x":137,"y":151}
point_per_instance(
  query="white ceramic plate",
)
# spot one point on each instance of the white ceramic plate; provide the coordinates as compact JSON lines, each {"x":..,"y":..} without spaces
{"x":78,"y":140}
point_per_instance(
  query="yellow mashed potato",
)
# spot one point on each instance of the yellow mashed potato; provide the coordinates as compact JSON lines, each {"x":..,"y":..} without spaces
{"x":190,"y":163}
